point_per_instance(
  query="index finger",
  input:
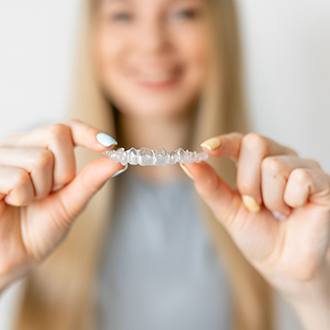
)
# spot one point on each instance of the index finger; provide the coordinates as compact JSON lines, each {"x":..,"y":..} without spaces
{"x":77,"y":132}
{"x":229,"y":145}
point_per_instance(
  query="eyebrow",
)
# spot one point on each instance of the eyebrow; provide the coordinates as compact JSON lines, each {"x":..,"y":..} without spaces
{"x":110,"y":2}
{"x":116,"y":1}
{"x":119,"y":1}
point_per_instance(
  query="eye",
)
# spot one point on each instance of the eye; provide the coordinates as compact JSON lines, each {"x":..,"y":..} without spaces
{"x":189,"y":13}
{"x":120,"y":16}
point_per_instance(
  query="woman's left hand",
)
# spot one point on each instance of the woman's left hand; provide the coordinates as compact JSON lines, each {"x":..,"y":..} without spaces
{"x":279,"y":215}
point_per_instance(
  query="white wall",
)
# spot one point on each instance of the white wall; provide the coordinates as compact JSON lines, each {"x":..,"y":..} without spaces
{"x":287,"y":52}
{"x":35,"y":57}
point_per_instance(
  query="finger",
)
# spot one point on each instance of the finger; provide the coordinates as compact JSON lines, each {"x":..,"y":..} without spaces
{"x":38,"y":162}
{"x":215,"y":192}
{"x":254,"y":148}
{"x":60,"y":139}
{"x":248,"y":152}
{"x":275,"y":174}
{"x":227,"y":145}
{"x":80,"y":134}
{"x":307,"y":185}
{"x":67,"y":203}
{"x":15,"y":186}
{"x":57,"y":138}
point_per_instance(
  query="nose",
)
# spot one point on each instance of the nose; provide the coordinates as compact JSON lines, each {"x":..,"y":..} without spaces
{"x":152,"y":36}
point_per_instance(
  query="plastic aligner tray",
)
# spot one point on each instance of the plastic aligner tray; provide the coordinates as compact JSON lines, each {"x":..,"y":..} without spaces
{"x":150,"y":157}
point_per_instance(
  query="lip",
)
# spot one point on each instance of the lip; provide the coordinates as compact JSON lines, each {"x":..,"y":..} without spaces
{"x":175,"y":77}
{"x":159,"y":85}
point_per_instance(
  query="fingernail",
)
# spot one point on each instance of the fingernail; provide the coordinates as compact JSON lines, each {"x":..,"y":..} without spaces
{"x":279,"y":216}
{"x":212,"y":143}
{"x":250,"y":203}
{"x":105,"y":139}
{"x":120,"y":171}
{"x":57,"y":187}
{"x":185,"y":169}
{"x":8,"y":199}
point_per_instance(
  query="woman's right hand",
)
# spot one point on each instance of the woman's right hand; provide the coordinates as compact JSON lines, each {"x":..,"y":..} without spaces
{"x":40,"y":192}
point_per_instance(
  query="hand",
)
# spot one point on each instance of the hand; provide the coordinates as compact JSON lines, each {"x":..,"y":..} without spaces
{"x":40,"y":193}
{"x":273,"y":183}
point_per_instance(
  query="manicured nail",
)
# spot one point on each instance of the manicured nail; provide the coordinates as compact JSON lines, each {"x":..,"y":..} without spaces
{"x":105,"y":139}
{"x":120,"y":171}
{"x":212,"y":143}
{"x":8,"y":199}
{"x":250,"y":203}
{"x":185,"y":169}
{"x":279,"y":216}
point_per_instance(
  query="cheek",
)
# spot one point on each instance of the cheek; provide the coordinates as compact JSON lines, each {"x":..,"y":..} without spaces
{"x":107,"y":52}
{"x":195,"y":59}
{"x":193,"y":50}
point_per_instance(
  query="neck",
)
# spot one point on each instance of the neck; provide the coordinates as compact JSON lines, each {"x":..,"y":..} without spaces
{"x":169,"y":133}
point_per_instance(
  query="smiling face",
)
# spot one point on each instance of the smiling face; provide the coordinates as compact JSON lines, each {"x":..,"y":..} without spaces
{"x":151,"y":54}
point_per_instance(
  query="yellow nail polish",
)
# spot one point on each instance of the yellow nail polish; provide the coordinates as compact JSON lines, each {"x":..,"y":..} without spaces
{"x":185,"y":169}
{"x":250,"y":203}
{"x":212,"y":143}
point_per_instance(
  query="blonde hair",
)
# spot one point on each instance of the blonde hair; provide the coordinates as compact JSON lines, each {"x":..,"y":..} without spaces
{"x":61,"y":292}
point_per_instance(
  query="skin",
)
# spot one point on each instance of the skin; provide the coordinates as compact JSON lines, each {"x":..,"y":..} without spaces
{"x":41,"y":194}
{"x":138,"y":39}
{"x":293,"y":253}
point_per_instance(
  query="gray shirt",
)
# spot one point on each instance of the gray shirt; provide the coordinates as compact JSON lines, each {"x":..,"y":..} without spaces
{"x":159,"y":269}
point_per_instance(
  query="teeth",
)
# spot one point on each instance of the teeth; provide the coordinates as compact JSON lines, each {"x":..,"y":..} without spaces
{"x":145,"y":156}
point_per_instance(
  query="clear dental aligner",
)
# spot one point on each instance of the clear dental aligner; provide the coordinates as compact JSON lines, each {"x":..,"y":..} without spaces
{"x":148,"y":157}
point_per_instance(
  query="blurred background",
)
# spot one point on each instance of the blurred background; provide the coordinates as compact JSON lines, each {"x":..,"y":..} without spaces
{"x":286,"y":49}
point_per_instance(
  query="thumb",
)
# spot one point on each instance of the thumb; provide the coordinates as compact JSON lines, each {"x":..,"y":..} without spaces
{"x":70,"y":201}
{"x":223,"y":200}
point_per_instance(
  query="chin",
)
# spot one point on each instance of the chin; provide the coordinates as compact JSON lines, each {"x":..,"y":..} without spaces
{"x":157,"y":109}
{"x":150,"y":104}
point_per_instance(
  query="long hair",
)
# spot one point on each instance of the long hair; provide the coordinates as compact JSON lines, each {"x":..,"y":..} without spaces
{"x":60,"y":294}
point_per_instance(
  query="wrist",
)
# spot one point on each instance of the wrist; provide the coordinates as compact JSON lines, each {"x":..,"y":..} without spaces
{"x":5,"y":282}
{"x":311,"y":301}
{"x":9,"y":277}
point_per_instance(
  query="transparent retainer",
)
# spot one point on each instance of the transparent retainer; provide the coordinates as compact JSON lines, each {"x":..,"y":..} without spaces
{"x":150,"y":157}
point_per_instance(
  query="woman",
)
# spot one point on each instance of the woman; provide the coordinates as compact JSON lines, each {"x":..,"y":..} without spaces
{"x":161,"y":74}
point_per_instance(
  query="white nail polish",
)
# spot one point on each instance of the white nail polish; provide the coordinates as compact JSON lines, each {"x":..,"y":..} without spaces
{"x":279,"y":216}
{"x":120,"y":171}
{"x":105,"y":139}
